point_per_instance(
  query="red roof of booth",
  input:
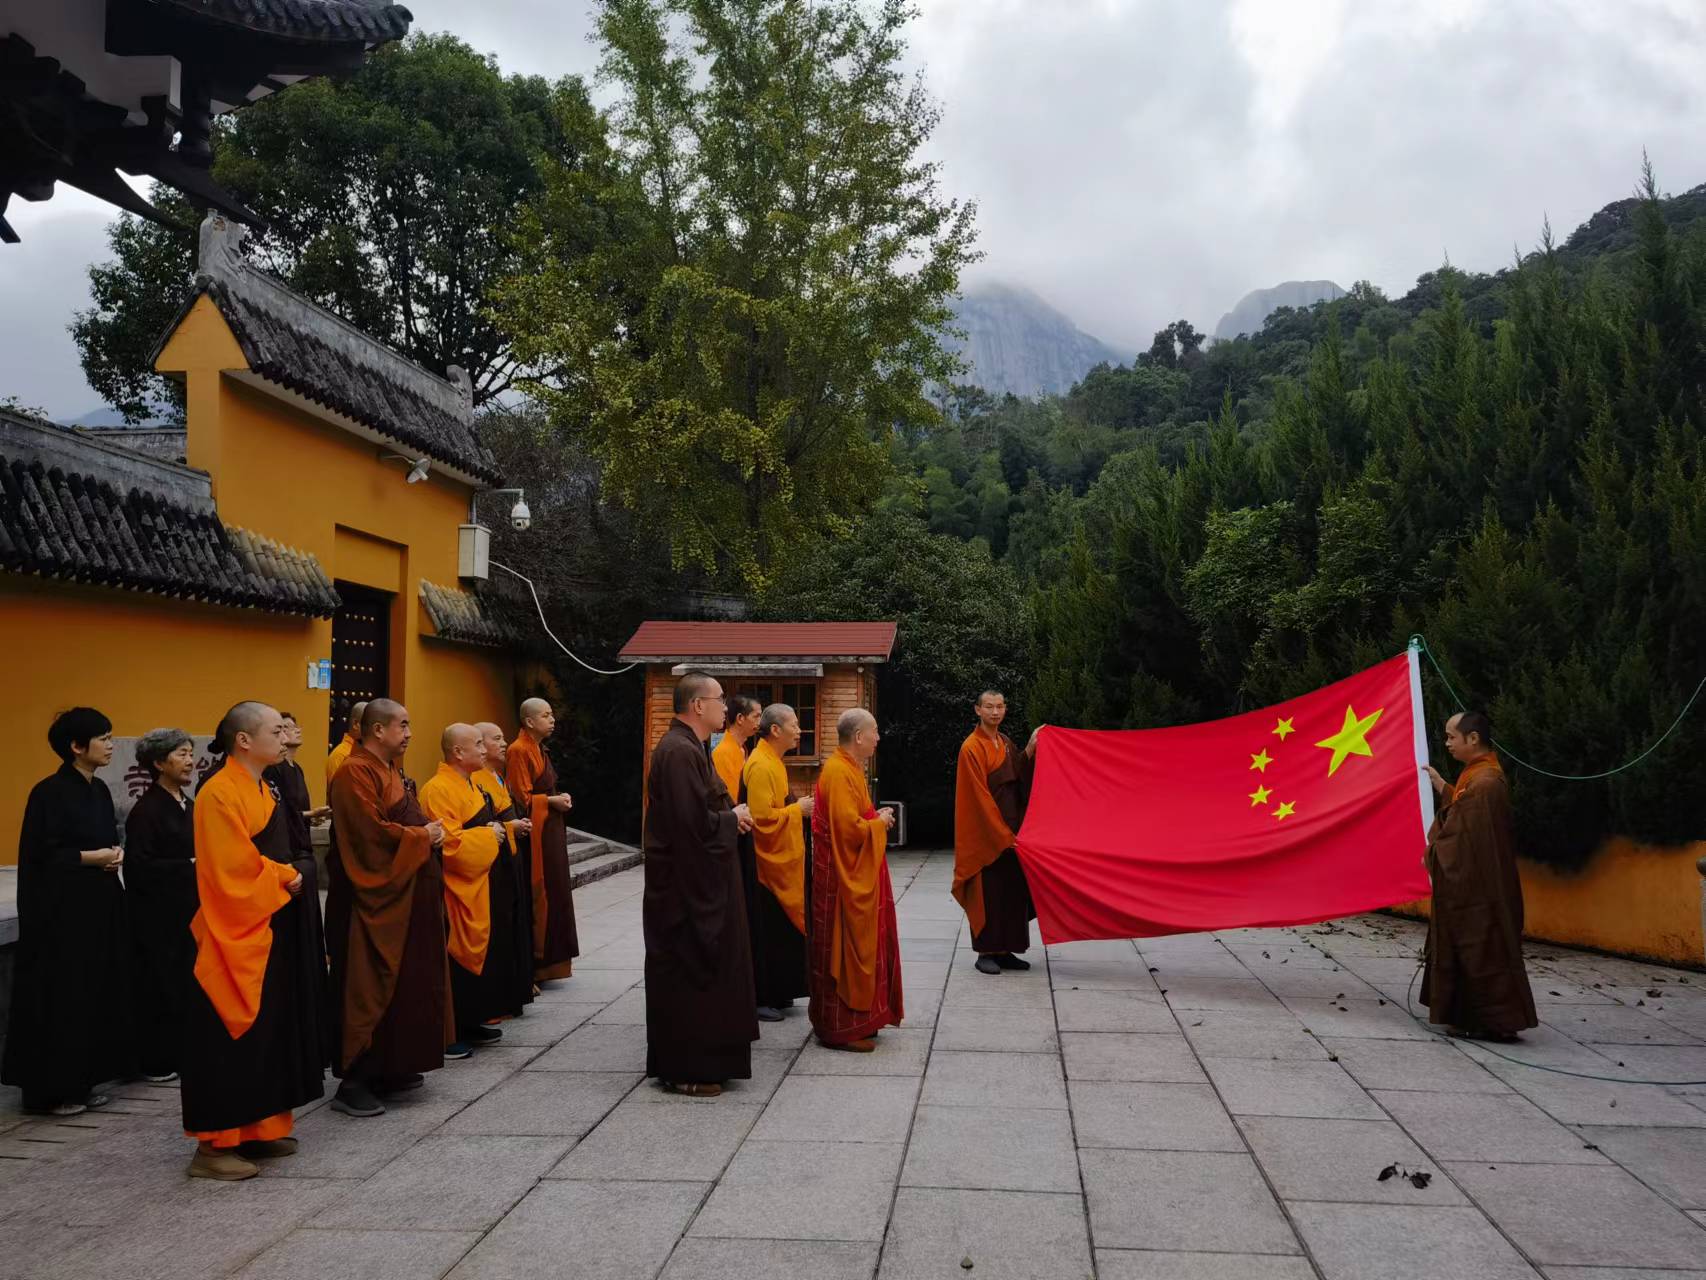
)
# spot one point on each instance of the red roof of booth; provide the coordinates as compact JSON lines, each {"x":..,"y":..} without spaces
{"x":656,"y":641}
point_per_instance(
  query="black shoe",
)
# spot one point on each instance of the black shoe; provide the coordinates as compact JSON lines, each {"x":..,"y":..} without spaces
{"x":458,"y":1051}
{"x":1011,"y":961}
{"x":355,"y":1099}
{"x":767,"y":1014}
{"x":399,"y":1084}
{"x":988,"y":964}
{"x":478,"y":1036}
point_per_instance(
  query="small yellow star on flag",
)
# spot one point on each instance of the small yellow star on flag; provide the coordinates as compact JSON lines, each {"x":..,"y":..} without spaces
{"x":1259,"y":796}
{"x":1285,"y":728}
{"x":1261,"y":760}
{"x":1351,"y":739}
{"x":1285,"y":811}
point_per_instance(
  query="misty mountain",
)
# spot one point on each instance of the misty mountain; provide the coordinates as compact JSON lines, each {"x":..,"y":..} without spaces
{"x":1255,"y":307}
{"x":1015,"y":342}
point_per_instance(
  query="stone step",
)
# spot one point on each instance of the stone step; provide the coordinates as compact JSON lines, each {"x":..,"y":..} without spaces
{"x":586,"y":850}
{"x":620,"y":857}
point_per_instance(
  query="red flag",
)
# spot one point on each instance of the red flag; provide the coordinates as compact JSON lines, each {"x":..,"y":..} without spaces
{"x":1312,"y":809}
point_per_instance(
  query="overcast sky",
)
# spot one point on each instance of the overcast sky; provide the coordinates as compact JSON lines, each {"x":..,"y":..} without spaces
{"x":1135,"y":161}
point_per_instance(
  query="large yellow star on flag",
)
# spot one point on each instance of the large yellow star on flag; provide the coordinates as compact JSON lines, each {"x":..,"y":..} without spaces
{"x":1351,"y":739}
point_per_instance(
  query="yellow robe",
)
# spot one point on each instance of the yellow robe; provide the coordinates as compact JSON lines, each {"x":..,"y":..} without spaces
{"x":452,"y":798}
{"x":335,"y":760}
{"x":778,"y":832}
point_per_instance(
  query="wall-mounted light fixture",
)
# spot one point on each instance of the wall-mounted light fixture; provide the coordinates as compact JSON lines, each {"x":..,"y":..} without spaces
{"x":418,"y":467}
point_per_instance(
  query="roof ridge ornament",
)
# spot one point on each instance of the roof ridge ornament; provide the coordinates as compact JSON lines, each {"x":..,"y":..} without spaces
{"x":219,"y":254}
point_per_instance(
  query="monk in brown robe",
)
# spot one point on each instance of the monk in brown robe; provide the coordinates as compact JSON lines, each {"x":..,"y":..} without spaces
{"x":532,"y":782}
{"x":699,"y":1003}
{"x":251,"y":1048}
{"x":853,"y":943}
{"x":776,"y":891}
{"x":991,"y":786}
{"x":1474,"y":981}
{"x":348,"y":743}
{"x":478,"y":905}
{"x":517,"y":826}
{"x":384,"y":922}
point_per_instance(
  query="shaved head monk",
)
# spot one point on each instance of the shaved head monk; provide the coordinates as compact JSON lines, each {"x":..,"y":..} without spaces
{"x":776,"y":895}
{"x":853,"y":943}
{"x":340,"y":752}
{"x":251,"y":1051}
{"x":490,"y":779}
{"x":532,"y":780}
{"x":384,"y":922}
{"x":479,"y":907}
{"x":991,"y":785}
{"x":1475,"y":982}
{"x":700,"y":1023}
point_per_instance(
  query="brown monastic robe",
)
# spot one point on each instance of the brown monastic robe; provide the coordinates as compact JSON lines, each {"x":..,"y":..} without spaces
{"x":385,"y":926}
{"x":1475,"y":978}
{"x":992,"y":785}
{"x":532,"y":780}
{"x":700,"y":1019}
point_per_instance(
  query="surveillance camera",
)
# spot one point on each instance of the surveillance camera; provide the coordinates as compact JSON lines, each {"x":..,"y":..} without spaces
{"x":519,"y":516}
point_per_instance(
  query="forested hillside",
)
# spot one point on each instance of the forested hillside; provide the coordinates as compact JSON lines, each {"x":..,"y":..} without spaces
{"x":1511,"y":464}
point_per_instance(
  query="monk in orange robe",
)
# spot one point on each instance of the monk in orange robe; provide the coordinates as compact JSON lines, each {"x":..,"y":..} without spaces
{"x":384,"y":922}
{"x":990,"y":789}
{"x":1474,"y":981}
{"x":776,"y":894}
{"x":854,"y":945}
{"x":479,"y":911}
{"x":252,"y":1037}
{"x":518,"y":964}
{"x":348,"y":743}
{"x":728,"y":757}
{"x":532,"y":782}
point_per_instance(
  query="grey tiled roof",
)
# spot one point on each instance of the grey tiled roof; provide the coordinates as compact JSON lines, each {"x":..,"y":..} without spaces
{"x":338,"y":20}
{"x":468,"y":618}
{"x":69,"y":526}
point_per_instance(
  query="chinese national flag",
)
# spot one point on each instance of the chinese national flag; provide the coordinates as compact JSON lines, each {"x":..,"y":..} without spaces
{"x":1312,"y":809}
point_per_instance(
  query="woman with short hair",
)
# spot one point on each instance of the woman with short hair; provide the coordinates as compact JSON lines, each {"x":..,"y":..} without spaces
{"x":159,"y":872}
{"x":71,"y":1026}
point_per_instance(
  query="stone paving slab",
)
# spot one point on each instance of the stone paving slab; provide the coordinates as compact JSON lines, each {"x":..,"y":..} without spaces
{"x":1211,"y":1105}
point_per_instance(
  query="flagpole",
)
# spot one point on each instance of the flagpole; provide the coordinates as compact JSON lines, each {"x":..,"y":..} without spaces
{"x":1418,"y":720}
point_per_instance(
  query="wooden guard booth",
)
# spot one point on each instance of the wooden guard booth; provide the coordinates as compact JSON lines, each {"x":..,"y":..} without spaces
{"x":821,"y":669}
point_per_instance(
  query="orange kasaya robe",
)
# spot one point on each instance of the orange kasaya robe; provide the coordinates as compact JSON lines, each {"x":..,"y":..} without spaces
{"x":532,"y":780}
{"x":981,"y":834}
{"x":340,"y":753}
{"x":778,"y":831}
{"x":854,"y":946}
{"x":493,"y":786}
{"x":240,"y":889}
{"x":452,"y":799}
{"x":728,"y":758}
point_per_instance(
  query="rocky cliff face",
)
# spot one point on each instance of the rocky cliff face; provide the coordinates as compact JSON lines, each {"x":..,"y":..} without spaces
{"x":1015,"y":342}
{"x":1256,"y":307}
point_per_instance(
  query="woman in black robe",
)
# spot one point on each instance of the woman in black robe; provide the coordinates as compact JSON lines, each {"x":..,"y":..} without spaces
{"x":71,"y":1025}
{"x":159,"y":879}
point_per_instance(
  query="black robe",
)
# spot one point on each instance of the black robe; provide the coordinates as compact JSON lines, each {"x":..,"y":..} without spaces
{"x":159,"y":880}
{"x":278,"y":1064}
{"x":495,"y":991}
{"x":778,"y":949}
{"x":1007,"y":907}
{"x":290,"y":790}
{"x":700,"y":1020}
{"x":71,"y":1025}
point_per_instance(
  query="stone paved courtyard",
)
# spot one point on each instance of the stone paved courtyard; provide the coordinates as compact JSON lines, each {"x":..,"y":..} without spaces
{"x":1179,"y":1109}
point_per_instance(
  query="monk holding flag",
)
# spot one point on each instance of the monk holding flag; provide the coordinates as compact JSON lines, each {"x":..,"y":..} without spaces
{"x":776,"y":897}
{"x":990,"y":789}
{"x":1309,"y":810}
{"x":489,"y":778}
{"x":479,"y":911}
{"x":252,"y":1044}
{"x":1474,"y":981}
{"x":854,"y":945}
{"x":532,"y":780}
{"x":384,"y":922}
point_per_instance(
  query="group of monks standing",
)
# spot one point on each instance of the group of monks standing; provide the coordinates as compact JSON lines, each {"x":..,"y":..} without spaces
{"x":197,"y":950}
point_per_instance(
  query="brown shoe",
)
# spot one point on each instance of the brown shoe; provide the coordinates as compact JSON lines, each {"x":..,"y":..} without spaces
{"x":268,"y":1149}
{"x":868,"y":1045}
{"x":692,"y":1090}
{"x":222,"y":1166}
